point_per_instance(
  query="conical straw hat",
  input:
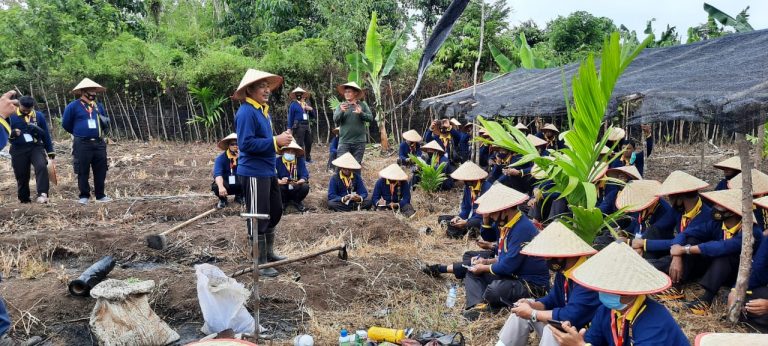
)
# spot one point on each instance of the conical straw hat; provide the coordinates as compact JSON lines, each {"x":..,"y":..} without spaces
{"x":433,"y":146}
{"x":759,"y":182}
{"x":295,"y":146}
{"x":535,"y":141}
{"x":616,"y":134}
{"x":455,"y":122}
{"x":87,"y":83}
{"x":469,"y":171}
{"x":538,"y":173}
{"x":353,"y":85}
{"x":732,"y":163}
{"x":557,"y":241}
{"x":618,"y":269}
{"x":335,"y":130}
{"x":346,"y":161}
{"x":550,"y":127}
{"x":729,"y":199}
{"x":638,"y":195}
{"x":719,"y":339}
{"x":680,"y":182}
{"x":499,"y":197}
{"x":412,"y":136}
{"x":604,"y":150}
{"x":393,"y":172}
{"x":601,"y":168}
{"x":761,"y":202}
{"x":522,"y":127}
{"x":631,"y":171}
{"x":299,"y":90}
{"x":224,"y":142}
{"x":252,"y":76}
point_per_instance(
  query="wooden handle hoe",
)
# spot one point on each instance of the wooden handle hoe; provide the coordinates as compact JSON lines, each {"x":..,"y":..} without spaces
{"x":159,"y":241}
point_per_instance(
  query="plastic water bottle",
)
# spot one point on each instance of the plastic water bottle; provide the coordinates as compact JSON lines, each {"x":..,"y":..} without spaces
{"x":344,"y":338}
{"x":451,"y":300}
{"x":361,"y":337}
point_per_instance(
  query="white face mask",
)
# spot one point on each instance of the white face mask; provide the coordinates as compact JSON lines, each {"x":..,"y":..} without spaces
{"x":289,"y":157}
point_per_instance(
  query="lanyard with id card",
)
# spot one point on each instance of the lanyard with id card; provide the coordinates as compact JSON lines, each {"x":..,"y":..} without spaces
{"x":232,"y":180}
{"x":28,"y":138}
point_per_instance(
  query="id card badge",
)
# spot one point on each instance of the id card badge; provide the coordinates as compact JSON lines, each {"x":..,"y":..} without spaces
{"x":91,"y":123}
{"x":638,"y":235}
{"x":232,"y":180}
{"x":27,"y":137}
{"x":305,"y":116}
{"x":290,"y":187}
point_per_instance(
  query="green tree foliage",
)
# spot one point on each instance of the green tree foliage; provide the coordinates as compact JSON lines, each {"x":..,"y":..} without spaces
{"x":578,"y":34}
{"x":428,"y":13}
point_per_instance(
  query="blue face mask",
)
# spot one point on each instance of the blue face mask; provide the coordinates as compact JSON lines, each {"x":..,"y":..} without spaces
{"x":611,"y":301}
{"x":289,"y":157}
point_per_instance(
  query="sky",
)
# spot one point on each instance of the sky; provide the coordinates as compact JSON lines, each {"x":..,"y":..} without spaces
{"x":635,"y":14}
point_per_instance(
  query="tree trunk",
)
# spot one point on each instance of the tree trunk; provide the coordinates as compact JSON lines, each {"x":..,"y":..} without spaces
{"x":745,"y":261}
{"x":759,"y":162}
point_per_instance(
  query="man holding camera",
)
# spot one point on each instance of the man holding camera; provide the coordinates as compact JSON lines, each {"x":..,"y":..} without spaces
{"x":30,"y":141}
{"x":351,"y":116}
{"x":444,"y":133}
{"x":299,"y":114}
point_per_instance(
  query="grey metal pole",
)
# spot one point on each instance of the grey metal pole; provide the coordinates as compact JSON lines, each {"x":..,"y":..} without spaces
{"x":249,"y":219}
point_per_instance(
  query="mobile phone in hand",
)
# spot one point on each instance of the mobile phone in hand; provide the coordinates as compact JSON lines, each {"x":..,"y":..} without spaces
{"x":557,"y":324}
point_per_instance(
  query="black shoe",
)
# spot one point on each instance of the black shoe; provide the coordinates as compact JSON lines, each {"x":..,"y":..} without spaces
{"x":264,"y":258}
{"x":270,"y":247}
{"x":300,"y":207}
{"x":432,"y":270}
{"x":473,"y":313}
{"x":239,"y":199}
{"x":222,"y":204}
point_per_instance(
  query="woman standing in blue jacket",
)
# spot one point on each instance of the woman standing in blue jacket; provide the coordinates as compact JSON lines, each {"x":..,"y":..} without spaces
{"x":30,"y":141}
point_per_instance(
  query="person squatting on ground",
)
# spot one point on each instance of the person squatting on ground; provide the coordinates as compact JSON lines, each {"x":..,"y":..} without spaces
{"x":566,"y":299}
{"x":392,"y":191}
{"x":87,"y":121}
{"x":299,"y":124}
{"x":756,"y":307}
{"x":256,"y":162}
{"x":292,"y":176}
{"x":346,"y":189}
{"x":411,"y":145}
{"x":475,"y":185}
{"x":225,"y":180}
{"x":7,"y":108}
{"x":433,"y":154}
{"x":500,"y":281}
{"x":30,"y":141}
{"x":351,"y":116}
{"x":730,"y":167}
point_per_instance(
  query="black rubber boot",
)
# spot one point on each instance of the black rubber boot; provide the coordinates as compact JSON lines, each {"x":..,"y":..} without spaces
{"x":270,"y":249}
{"x":269,"y":272}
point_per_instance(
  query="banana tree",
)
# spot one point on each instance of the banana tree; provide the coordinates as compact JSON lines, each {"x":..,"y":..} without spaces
{"x":575,"y":169}
{"x":375,"y":64}
{"x":740,"y":23}
{"x":527,"y":59}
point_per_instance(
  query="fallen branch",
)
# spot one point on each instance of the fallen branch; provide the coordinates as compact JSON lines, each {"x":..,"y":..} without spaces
{"x":151,"y":198}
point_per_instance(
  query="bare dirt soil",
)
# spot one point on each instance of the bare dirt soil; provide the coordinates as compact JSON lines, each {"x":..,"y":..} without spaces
{"x":42,"y":247}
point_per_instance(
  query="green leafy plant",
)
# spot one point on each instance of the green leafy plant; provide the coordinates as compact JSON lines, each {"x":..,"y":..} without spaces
{"x":334,"y":102}
{"x":210,"y":103}
{"x":574,"y":170}
{"x":753,"y":140}
{"x":740,"y":23}
{"x":431,"y":178}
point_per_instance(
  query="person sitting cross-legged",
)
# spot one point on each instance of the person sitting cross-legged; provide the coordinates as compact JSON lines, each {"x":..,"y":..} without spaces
{"x":433,"y":154}
{"x":292,"y":176}
{"x":346,"y":190}
{"x":392,"y":191}
{"x":411,"y":145}
{"x":225,"y":182}
{"x":759,"y":189}
{"x":731,"y":167}
{"x":566,"y":300}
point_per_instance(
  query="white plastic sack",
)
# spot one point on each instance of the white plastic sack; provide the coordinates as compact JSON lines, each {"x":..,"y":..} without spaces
{"x":122,"y":315}
{"x":222,"y":301}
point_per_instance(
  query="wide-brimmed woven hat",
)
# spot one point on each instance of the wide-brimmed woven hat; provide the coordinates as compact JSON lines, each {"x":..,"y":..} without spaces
{"x":346,"y":161}
{"x":393,"y":172}
{"x":432,"y":146}
{"x":538,"y":173}
{"x":638,"y":195}
{"x":336,"y":130}
{"x":295,"y":146}
{"x":680,"y":182}
{"x":412,"y":136}
{"x":759,"y":182}
{"x":719,"y":339}
{"x":761,"y":202}
{"x":499,"y":197}
{"x":482,"y":132}
{"x":631,"y":171}
{"x":732,"y":163}
{"x":616,"y":134}
{"x":600,"y":169}
{"x":87,"y":83}
{"x":252,"y":76}
{"x":550,"y":127}
{"x":557,"y":241}
{"x":469,"y":171}
{"x":729,"y":199}
{"x":455,"y":122}
{"x":522,"y":127}
{"x":618,"y":269}
{"x":353,"y":85}
{"x":604,"y":150}
{"x":224,"y":142}
{"x":299,"y":90}
{"x":536,"y":141}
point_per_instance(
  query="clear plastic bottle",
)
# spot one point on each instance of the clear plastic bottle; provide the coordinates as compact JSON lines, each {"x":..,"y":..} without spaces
{"x":451,"y":300}
{"x":344,"y":338}
{"x":361,"y":337}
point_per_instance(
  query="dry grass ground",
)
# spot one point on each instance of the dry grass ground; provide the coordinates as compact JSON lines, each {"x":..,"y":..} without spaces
{"x":42,"y":247}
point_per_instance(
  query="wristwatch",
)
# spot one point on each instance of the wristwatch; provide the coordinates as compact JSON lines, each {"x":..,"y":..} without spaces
{"x":687,"y":249}
{"x":533,"y":316}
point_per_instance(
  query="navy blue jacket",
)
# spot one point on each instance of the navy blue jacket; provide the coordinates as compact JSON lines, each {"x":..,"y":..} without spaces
{"x":300,"y":170}
{"x":759,"y":275}
{"x":722,"y":185}
{"x":402,"y":193}
{"x":4,"y":133}
{"x":511,"y":263}
{"x":337,"y":190}
{"x":712,"y":242}
{"x":701,"y":220}
{"x":607,"y":204}
{"x":334,"y":146}
{"x":580,"y":306}
{"x":653,"y":326}
{"x":296,"y":114}
{"x":75,"y":120}
{"x":663,"y":219}
{"x":5,"y":320}
{"x":43,"y":138}
{"x":255,"y":141}
{"x":484,"y":154}
{"x":453,"y":144}
{"x":464,"y":145}
{"x":468,"y":208}
{"x":405,"y":149}
{"x":222,"y":167}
